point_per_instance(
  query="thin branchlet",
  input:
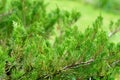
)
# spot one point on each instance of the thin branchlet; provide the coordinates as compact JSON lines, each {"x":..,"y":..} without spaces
{"x":6,"y":14}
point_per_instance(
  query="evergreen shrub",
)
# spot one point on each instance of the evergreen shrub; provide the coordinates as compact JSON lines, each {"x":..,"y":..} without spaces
{"x":27,"y":53}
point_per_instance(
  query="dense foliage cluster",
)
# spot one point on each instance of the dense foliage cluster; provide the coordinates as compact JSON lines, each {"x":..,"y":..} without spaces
{"x":40,"y":45}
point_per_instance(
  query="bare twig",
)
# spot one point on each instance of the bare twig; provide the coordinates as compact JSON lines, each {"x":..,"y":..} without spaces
{"x":115,"y":63}
{"x":78,"y":64}
{"x":114,"y":32}
{"x":71,"y":66}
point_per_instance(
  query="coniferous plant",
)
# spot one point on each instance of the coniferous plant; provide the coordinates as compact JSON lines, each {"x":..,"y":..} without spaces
{"x":28,"y":53}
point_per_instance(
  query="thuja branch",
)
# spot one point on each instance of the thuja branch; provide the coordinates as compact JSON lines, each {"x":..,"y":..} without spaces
{"x":71,"y":66}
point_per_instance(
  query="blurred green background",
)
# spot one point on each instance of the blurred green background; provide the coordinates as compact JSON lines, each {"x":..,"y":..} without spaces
{"x":90,"y":10}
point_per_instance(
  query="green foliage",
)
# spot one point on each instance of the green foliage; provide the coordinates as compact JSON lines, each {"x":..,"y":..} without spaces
{"x":28,"y":53}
